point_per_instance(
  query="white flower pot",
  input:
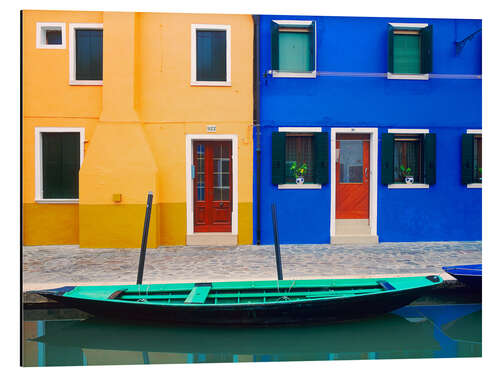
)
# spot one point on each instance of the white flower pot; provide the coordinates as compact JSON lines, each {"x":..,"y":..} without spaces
{"x":299,"y":180}
{"x":409,"y":179}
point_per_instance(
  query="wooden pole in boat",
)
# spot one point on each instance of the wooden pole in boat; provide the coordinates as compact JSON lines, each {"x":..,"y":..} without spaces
{"x":276,"y":242}
{"x":144,"y":238}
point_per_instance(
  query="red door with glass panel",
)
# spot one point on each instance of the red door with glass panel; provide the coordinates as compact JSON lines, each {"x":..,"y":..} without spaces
{"x":352,"y":176}
{"x":213,"y":189}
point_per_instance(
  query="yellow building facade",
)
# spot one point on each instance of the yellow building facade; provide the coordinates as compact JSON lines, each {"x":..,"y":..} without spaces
{"x":168,"y":110}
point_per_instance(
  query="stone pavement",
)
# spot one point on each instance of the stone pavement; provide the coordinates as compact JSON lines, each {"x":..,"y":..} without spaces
{"x":51,"y":266}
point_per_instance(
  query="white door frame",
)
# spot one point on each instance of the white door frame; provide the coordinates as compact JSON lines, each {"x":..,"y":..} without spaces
{"x":189,"y":180}
{"x":373,"y":132}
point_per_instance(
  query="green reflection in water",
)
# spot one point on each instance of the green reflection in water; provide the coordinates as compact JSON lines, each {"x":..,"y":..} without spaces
{"x":410,"y":332}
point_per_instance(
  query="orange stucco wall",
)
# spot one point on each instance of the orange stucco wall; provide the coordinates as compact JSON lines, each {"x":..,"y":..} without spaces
{"x":135,"y":125}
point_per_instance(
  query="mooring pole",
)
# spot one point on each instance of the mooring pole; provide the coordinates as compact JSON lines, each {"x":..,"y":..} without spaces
{"x":276,"y":242}
{"x":144,"y":238}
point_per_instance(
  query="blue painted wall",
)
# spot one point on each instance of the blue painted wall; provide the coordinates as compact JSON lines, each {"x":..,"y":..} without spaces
{"x":447,"y":104}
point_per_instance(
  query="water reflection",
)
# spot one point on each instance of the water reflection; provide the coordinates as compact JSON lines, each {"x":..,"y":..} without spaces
{"x":410,"y":332}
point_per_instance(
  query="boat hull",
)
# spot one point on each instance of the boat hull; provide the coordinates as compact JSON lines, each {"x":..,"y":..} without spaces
{"x":303,"y":311}
{"x":471,"y":275}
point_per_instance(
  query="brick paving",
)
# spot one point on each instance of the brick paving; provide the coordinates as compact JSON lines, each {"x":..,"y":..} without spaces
{"x":50,"y":266}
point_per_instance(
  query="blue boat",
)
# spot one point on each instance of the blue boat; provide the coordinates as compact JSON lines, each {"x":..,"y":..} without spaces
{"x":470,"y":274}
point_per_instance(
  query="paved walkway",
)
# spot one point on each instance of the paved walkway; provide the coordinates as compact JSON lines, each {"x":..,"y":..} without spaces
{"x":50,"y":266}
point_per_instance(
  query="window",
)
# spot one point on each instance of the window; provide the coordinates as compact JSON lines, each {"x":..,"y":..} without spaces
{"x":300,"y":147}
{"x":472,"y":155}
{"x":211,"y":55}
{"x":409,"y":51}
{"x":58,"y":158}
{"x":293,"y":46}
{"x":86,"y":54}
{"x":50,"y":35}
{"x":409,"y":153}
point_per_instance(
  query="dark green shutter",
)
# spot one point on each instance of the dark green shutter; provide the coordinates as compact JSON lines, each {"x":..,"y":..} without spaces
{"x":467,"y":158}
{"x":321,"y":158}
{"x":426,"y":49}
{"x":312,"y":46}
{"x":60,"y":163}
{"x":278,"y":158}
{"x":211,"y":55}
{"x":390,"y":49}
{"x":387,"y":172}
{"x":275,"y":65}
{"x":89,"y":55}
{"x":430,"y":158}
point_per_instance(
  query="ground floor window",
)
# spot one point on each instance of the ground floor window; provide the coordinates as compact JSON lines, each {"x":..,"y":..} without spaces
{"x":299,"y":153}
{"x":59,"y":157}
{"x":408,"y":157}
{"x":472,"y":155}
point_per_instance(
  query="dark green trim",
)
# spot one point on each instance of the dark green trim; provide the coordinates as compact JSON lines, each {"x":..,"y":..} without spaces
{"x":426,"y":45}
{"x":275,"y":46}
{"x":387,"y":168}
{"x":390,"y":50}
{"x":430,"y":158}
{"x":467,"y":158}
{"x":312,"y":46}
{"x":278,"y":158}
{"x":321,"y":158}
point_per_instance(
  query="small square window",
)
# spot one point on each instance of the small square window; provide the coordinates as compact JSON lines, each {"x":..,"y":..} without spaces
{"x":51,"y":35}
{"x":409,"y":51}
{"x":211,"y":55}
{"x":293,"y":48}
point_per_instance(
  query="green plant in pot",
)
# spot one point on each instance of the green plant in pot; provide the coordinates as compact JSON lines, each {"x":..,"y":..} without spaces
{"x":406,"y":175}
{"x":298,"y":172}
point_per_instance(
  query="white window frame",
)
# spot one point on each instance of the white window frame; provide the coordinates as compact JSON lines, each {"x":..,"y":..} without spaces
{"x":39,"y":161}
{"x":408,"y":186}
{"x":41,"y":39}
{"x":475,"y":185}
{"x":299,"y":129}
{"x":277,"y":73}
{"x":205,"y":27}
{"x":72,"y":53}
{"x":425,"y":76}
{"x":190,"y":138}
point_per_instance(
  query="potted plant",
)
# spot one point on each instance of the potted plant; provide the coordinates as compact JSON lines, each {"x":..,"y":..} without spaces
{"x":298,"y":172}
{"x":406,"y":175}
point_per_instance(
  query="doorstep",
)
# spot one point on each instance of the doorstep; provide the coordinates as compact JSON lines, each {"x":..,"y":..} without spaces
{"x":343,"y":239}
{"x":209,"y":239}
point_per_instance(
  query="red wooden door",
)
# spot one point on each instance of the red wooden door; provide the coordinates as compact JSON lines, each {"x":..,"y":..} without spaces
{"x":213,"y":188}
{"x":352,"y":177}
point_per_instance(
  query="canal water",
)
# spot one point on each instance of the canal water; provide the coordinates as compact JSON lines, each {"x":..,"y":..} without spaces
{"x":415,"y":331}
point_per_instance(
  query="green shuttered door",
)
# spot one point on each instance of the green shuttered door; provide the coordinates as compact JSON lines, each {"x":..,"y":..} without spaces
{"x":278,"y":158}
{"x":467,"y":158}
{"x":321,"y":158}
{"x":387,"y":170}
{"x":61,"y":163}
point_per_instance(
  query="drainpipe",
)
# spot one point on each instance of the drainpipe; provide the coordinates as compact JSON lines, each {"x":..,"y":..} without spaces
{"x":256,"y":114}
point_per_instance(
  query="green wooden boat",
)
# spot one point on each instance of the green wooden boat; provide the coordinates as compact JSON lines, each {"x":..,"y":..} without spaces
{"x":247,"y":302}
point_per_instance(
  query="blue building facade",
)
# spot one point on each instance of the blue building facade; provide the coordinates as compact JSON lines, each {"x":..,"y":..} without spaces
{"x":385,"y":113}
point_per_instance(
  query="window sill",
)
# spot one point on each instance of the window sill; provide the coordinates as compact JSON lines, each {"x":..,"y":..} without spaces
{"x":58,"y":201}
{"x":408,"y":76}
{"x":75,"y":82}
{"x":475,"y":185}
{"x":408,"y":186}
{"x":51,"y":46}
{"x":211,"y":83}
{"x":299,"y":186}
{"x":278,"y":74}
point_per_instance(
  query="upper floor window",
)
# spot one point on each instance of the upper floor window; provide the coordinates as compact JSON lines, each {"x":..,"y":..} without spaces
{"x":293,"y":46}
{"x":86,"y":54}
{"x":50,"y":35}
{"x":409,"y":51}
{"x":211,"y":55}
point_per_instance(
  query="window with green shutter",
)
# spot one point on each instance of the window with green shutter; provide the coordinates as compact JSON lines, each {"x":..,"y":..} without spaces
{"x":211,"y":55}
{"x":408,"y":155}
{"x":88,"y":55}
{"x":60,"y":165}
{"x":472,"y":152}
{"x":409,"y":49}
{"x":293,"y":46}
{"x":298,"y":149}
